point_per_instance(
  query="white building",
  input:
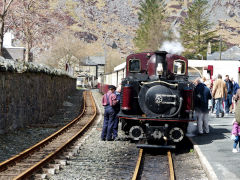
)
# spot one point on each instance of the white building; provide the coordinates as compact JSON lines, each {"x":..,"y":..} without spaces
{"x":214,"y":67}
{"x":9,"y":51}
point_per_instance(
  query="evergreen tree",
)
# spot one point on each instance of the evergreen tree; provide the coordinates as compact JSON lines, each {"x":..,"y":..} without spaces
{"x":153,"y":28}
{"x":196,"y":30}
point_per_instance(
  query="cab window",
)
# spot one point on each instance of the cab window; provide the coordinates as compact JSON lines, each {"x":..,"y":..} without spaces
{"x":179,"y":67}
{"x":134,"y":65}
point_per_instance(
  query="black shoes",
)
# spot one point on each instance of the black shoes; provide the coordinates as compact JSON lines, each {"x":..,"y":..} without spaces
{"x":222,"y":115}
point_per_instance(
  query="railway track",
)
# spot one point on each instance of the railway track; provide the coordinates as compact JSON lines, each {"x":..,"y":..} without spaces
{"x":32,"y":160}
{"x":154,"y":166}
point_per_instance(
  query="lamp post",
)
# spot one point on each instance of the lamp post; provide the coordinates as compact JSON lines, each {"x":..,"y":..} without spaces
{"x":200,"y":55}
{"x":220,"y":48}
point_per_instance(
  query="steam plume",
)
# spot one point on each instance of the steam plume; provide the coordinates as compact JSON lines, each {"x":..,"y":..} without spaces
{"x":172,"y":47}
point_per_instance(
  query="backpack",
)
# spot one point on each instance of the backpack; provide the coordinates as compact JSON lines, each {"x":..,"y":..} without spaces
{"x":106,"y":103}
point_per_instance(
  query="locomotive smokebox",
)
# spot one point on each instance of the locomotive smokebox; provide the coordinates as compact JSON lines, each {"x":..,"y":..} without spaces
{"x":157,"y":100}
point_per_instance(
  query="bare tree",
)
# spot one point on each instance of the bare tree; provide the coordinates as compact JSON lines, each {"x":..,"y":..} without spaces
{"x":113,"y":59}
{"x":67,"y":49}
{"x":34,"y":21}
{"x":5,"y":5}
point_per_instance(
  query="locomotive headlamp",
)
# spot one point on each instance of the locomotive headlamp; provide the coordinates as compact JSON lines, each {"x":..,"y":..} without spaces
{"x":159,"y":69}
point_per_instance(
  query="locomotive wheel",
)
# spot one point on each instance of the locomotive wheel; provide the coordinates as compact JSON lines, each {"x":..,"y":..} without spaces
{"x":136,"y":132}
{"x":176,"y":134}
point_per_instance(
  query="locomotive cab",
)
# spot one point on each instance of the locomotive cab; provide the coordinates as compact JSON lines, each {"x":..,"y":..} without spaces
{"x":166,"y":66}
{"x":156,"y":97}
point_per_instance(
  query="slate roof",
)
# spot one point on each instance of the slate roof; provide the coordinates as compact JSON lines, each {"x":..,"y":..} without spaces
{"x":94,"y":60}
{"x":231,"y":54}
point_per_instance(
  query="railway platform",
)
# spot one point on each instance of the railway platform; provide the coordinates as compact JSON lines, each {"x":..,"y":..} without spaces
{"x":215,"y":149}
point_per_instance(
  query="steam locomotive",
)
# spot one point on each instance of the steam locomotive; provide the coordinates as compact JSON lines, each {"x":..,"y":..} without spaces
{"x":156,"y":98}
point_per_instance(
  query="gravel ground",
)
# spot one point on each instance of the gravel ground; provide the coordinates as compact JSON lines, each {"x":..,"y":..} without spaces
{"x":187,"y":167}
{"x":110,"y":160}
{"x":153,"y":169}
{"x":17,"y":141}
{"x":101,"y":159}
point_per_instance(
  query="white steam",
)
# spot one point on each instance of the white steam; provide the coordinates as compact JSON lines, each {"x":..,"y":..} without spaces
{"x":172,"y":47}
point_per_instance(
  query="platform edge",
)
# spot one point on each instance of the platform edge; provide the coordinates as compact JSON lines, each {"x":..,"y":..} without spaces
{"x":204,"y":162}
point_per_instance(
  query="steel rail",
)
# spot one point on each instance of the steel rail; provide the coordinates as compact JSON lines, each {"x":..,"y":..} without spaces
{"x":136,"y":172}
{"x":49,"y":157}
{"x":139,"y":161}
{"x":171,"y":169}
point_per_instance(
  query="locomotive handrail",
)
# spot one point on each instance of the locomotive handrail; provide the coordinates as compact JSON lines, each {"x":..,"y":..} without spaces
{"x":180,"y":106}
{"x":170,"y":84}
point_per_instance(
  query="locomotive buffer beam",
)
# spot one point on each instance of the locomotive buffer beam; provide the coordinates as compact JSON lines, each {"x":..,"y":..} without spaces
{"x":154,"y":146}
{"x":143,"y":144}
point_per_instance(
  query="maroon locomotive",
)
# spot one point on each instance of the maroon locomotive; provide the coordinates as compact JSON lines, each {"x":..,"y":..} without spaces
{"x":157,"y":98}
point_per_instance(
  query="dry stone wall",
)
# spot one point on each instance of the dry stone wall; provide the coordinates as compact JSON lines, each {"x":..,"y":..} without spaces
{"x":30,"y":97}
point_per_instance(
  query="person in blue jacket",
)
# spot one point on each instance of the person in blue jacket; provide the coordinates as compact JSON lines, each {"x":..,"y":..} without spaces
{"x":228,"y":100}
{"x":202,"y":95}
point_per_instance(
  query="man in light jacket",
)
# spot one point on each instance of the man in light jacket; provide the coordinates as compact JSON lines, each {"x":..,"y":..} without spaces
{"x":219,"y":92}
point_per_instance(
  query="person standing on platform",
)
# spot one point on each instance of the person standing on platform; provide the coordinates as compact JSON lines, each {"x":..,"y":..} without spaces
{"x":219,"y":91}
{"x":235,"y":88}
{"x":202,"y":95}
{"x":236,"y":128}
{"x":235,"y":136}
{"x":117,"y":109}
{"x":109,"y":100}
{"x":228,"y":100}
{"x":213,"y":110}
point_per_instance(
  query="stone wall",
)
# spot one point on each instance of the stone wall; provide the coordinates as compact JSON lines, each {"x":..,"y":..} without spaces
{"x":30,"y":97}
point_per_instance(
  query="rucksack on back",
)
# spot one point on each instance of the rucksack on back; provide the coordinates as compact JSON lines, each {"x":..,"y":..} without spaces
{"x":106,"y":101}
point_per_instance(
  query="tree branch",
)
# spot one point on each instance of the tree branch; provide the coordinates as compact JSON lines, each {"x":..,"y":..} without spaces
{"x":5,"y":8}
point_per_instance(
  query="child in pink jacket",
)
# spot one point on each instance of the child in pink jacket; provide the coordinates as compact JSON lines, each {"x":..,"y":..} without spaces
{"x":235,"y":136}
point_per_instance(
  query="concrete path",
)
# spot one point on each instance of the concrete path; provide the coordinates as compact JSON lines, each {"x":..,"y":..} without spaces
{"x":215,"y":149}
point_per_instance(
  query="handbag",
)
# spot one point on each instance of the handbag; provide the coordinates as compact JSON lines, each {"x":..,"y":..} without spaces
{"x":233,"y":137}
{"x":209,"y":104}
